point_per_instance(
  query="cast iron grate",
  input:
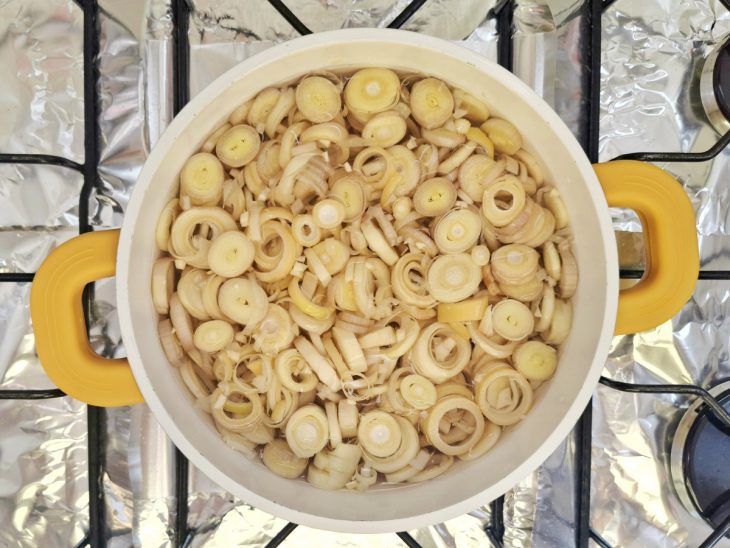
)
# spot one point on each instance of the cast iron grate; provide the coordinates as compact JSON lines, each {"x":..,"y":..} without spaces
{"x":99,"y":534}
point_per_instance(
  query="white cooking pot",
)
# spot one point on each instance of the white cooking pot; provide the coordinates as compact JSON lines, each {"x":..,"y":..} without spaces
{"x":672,"y":266}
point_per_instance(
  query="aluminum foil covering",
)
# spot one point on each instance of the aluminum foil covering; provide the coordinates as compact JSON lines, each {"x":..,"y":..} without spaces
{"x":650,"y":102}
{"x":647,"y":70}
{"x":43,"y":458}
{"x":44,"y":444}
{"x":652,"y":54}
{"x":42,"y":103}
{"x":631,"y":504}
{"x":223,"y":33}
{"x":554,"y":508}
{"x":136,"y":105}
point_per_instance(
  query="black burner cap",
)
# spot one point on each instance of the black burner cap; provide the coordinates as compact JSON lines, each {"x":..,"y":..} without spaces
{"x":706,"y":458}
{"x":721,"y":79}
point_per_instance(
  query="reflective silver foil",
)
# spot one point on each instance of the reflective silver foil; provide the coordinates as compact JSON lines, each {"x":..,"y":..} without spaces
{"x":42,"y":103}
{"x":43,"y":446}
{"x":136,"y":107}
{"x":650,"y":102}
{"x":651,"y":55}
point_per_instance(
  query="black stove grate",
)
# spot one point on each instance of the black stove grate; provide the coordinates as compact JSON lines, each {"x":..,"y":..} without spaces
{"x":99,"y":533}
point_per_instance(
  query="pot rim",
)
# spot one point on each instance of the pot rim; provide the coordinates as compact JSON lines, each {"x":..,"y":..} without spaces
{"x":583,"y":168}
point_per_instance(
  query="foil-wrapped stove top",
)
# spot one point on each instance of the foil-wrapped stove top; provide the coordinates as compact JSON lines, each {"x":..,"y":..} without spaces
{"x":652,"y":55}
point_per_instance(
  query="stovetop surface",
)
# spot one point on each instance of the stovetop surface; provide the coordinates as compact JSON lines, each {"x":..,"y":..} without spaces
{"x":647,"y":99}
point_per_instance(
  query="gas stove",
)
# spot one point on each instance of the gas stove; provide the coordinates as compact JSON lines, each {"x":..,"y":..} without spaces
{"x":89,"y":86}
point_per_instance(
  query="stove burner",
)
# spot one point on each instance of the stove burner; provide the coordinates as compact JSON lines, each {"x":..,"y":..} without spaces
{"x":715,"y":87}
{"x":700,"y":460}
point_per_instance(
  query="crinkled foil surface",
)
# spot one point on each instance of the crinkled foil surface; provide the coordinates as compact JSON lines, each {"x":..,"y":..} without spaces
{"x":652,"y":55}
{"x":652,"y":51}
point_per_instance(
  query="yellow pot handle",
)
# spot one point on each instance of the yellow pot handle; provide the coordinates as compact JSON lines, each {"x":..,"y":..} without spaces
{"x":670,"y":240}
{"x":59,"y":327}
